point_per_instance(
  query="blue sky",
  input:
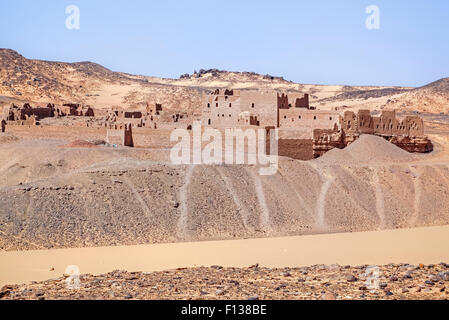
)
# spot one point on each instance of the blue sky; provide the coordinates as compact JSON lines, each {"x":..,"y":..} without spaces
{"x":320,"y":41}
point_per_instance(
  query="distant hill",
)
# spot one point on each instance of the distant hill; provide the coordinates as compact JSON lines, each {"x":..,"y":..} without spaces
{"x":433,"y":98}
{"x":38,"y":81}
{"x":441,"y":86}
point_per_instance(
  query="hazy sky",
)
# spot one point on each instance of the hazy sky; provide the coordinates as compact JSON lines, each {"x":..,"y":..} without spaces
{"x":319,"y":41}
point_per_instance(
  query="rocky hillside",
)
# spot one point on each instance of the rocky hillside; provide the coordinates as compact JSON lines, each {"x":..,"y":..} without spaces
{"x":83,"y":82}
{"x":35,"y":80}
{"x":89,"y":83}
{"x":431,"y":98}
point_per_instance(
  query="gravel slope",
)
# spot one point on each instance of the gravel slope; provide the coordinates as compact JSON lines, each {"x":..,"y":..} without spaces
{"x":56,"y":197}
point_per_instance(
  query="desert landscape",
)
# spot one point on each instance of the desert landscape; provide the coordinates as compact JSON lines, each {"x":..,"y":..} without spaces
{"x":85,"y":165}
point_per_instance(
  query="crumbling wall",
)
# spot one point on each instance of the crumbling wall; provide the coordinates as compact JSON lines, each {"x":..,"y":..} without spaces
{"x":325,"y":140}
{"x":384,"y":124}
{"x":365,"y":122}
{"x":291,"y":144}
{"x":303,"y":102}
{"x":133,"y":114}
{"x":17,"y":114}
{"x":120,"y":134}
{"x":415,"y":126}
{"x":283,"y":101}
{"x":348,"y":122}
{"x":77,"y":110}
{"x":59,"y":132}
{"x":307,"y":120}
{"x":407,"y":133}
{"x":300,"y":149}
{"x":220,"y":110}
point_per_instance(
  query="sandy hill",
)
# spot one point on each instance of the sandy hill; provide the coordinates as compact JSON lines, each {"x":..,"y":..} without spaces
{"x":367,"y":149}
{"x":23,"y":79}
{"x":85,"y":82}
{"x":129,"y":197}
{"x":431,"y":98}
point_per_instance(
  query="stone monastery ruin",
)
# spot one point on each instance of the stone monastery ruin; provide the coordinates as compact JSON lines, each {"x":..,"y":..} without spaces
{"x":303,"y":132}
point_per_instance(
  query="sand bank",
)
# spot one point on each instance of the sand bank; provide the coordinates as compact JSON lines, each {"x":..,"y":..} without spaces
{"x":420,"y":245}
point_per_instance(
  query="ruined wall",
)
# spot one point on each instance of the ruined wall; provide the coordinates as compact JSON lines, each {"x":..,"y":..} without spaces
{"x":39,"y":112}
{"x":385,"y":124}
{"x":133,"y":115}
{"x":302,"y":102}
{"x":290,"y":144}
{"x":365,"y":122}
{"x":283,"y":102}
{"x":415,"y":125}
{"x":412,"y":144}
{"x":326,"y":140}
{"x":15,"y":113}
{"x":307,"y":120}
{"x":262,"y":104}
{"x":120,"y":135}
{"x":220,"y":110}
{"x":29,"y":121}
{"x":59,"y":132}
{"x":77,"y":110}
{"x":247,"y":119}
{"x":407,"y":133}
{"x":300,"y":149}
{"x":348,"y":122}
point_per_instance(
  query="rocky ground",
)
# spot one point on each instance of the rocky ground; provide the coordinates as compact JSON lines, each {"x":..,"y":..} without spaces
{"x":335,"y":282}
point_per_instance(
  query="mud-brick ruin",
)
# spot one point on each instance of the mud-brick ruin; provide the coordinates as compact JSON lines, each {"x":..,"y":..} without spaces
{"x":407,"y":133}
{"x":115,"y":126}
{"x":120,"y":135}
{"x":305,"y":132}
{"x":28,"y":115}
